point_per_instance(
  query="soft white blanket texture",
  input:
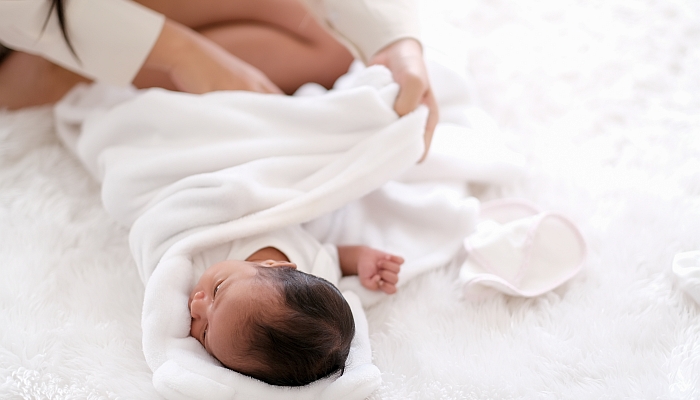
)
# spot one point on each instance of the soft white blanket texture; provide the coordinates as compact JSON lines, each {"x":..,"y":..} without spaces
{"x":603,"y":100}
{"x":188,"y":173}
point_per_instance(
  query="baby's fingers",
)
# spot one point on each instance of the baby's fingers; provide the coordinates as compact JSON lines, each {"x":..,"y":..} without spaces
{"x":384,"y":281}
{"x":389,"y":277}
{"x":372,"y":283}
{"x":388,"y":281}
{"x":390,"y":264}
{"x":396,"y":259}
{"x":386,"y":287}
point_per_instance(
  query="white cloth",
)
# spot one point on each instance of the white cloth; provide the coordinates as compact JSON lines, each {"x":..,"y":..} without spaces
{"x":423,"y":222}
{"x":112,"y":38}
{"x":366,"y":26}
{"x":189,"y":173}
{"x":686,"y":268}
{"x":521,"y":251}
{"x":277,"y":160}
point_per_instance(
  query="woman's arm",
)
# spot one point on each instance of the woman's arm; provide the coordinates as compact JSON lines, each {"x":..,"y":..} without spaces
{"x":404,"y":58}
{"x":112,"y":40}
{"x":386,"y":32}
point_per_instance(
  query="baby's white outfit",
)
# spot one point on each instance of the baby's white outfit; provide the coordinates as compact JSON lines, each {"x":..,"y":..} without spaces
{"x":297,"y":244}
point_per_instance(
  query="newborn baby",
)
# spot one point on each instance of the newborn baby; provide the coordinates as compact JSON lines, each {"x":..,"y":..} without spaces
{"x":264,"y":318}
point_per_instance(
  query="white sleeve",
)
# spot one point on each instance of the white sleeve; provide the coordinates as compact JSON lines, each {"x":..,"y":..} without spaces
{"x":298,"y":245}
{"x":366,"y":26}
{"x":111,"y":38}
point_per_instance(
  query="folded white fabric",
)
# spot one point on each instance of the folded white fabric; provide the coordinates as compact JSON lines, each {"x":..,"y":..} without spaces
{"x":686,"y":267}
{"x":521,"y":251}
{"x":423,"y":222}
{"x":187,"y":173}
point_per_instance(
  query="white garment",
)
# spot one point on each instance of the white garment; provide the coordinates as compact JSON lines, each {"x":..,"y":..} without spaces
{"x":521,"y":251}
{"x":112,"y":38}
{"x":299,"y":246}
{"x":366,"y":26}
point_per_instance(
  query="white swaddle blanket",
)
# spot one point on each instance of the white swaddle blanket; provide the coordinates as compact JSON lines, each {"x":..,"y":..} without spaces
{"x":190,"y":172}
{"x":187,"y":173}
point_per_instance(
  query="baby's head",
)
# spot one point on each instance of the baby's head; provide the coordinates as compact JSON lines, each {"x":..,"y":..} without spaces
{"x":271,"y":322}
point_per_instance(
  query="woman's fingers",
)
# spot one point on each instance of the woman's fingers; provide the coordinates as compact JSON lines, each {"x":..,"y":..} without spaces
{"x":270,"y":87}
{"x":412,"y":91}
{"x":433,"y":117}
{"x":404,"y":58}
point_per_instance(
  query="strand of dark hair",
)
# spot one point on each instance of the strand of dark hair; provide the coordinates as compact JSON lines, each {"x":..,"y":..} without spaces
{"x":61,"y":14}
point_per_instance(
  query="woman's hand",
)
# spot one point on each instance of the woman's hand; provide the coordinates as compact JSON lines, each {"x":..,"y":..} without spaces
{"x":404,"y":58}
{"x":197,"y":65}
{"x":376,"y":269}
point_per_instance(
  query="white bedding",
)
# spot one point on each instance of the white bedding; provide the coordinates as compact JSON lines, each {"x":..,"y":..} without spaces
{"x":603,"y":99}
{"x":188,"y":173}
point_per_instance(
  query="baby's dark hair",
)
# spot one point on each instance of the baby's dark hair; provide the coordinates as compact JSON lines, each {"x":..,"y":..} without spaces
{"x":308,"y":339}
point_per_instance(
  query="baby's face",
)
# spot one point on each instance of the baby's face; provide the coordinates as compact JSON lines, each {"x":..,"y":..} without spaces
{"x":220,"y":303}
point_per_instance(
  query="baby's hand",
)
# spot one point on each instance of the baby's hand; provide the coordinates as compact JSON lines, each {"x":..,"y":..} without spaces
{"x":378,"y":270}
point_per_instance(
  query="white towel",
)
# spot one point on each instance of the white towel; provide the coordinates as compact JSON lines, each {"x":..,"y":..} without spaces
{"x":190,"y":172}
{"x":187,"y":173}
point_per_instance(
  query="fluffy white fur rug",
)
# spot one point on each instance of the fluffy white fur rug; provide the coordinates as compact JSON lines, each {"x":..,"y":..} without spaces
{"x":602,"y":97}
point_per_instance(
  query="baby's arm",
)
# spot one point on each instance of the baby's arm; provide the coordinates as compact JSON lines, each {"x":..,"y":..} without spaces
{"x":376,"y":269}
{"x":267,"y":253}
